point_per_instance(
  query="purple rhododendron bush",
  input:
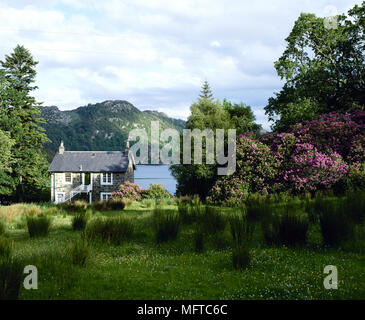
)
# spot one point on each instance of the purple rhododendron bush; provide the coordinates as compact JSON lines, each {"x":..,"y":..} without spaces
{"x":256,"y":169}
{"x":323,"y":154}
{"x":128,"y":190}
{"x":132,"y":191}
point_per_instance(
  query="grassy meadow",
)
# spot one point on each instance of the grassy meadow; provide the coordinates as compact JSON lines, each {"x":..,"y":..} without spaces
{"x":176,"y":250}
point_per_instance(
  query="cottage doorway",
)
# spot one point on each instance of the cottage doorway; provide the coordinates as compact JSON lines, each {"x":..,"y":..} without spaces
{"x":87,"y":179}
{"x":60,"y":197}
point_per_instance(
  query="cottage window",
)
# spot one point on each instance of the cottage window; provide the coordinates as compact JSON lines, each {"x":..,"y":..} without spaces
{"x":68,"y":178}
{"x":105,"y":196}
{"x":106,"y":178}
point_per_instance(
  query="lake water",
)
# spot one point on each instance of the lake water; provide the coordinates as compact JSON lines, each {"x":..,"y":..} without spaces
{"x":155,"y":174}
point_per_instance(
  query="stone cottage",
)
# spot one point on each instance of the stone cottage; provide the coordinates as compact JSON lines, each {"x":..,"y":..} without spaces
{"x":92,"y":175}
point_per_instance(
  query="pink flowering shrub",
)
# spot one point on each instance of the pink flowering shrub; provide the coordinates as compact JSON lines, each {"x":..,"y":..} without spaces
{"x":256,"y":169}
{"x":327,"y":153}
{"x":318,"y":154}
{"x":128,"y":190}
{"x":335,"y":132}
{"x":308,"y":170}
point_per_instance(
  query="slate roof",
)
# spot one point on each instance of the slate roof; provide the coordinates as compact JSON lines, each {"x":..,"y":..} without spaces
{"x":90,"y":161}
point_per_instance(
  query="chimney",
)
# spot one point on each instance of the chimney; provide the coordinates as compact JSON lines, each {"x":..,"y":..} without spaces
{"x":61,"y":149}
{"x":127,"y":146}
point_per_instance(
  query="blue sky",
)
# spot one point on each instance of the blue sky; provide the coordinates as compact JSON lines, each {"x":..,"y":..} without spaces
{"x":155,"y":54}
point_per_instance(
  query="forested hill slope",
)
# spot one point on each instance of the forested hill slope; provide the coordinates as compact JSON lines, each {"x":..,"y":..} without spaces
{"x":100,"y":126}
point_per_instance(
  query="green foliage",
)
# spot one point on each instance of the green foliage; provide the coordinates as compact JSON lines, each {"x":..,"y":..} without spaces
{"x":85,"y":128}
{"x":153,"y":265}
{"x":166,"y":224}
{"x":208,"y":114}
{"x":156,"y":191}
{"x":206,"y":92}
{"x":114,"y":230}
{"x":20,"y":117}
{"x":323,"y":69}
{"x":6,"y":143}
{"x":38,"y":226}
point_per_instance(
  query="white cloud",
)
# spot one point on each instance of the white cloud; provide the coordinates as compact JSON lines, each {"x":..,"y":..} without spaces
{"x":154,"y":53}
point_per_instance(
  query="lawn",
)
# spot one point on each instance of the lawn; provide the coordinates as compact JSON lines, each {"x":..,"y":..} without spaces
{"x":142,"y":269}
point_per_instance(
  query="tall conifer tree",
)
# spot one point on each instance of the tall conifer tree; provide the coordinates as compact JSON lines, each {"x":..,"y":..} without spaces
{"x":21,"y":118}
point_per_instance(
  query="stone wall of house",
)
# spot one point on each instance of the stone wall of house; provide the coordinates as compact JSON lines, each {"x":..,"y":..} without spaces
{"x":62,"y":187}
{"x":118,"y":179}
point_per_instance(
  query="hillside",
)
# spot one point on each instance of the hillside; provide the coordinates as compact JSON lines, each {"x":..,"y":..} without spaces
{"x":100,"y":126}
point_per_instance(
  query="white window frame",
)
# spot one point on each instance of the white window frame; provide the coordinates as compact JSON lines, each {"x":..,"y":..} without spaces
{"x":58,"y":193}
{"x":64,"y":178}
{"x":107,"y":194}
{"x":102,"y":182}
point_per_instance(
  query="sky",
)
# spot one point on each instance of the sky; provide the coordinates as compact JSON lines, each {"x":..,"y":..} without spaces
{"x":155,"y":53}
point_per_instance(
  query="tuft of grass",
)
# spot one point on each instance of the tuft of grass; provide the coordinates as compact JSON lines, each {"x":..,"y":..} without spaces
{"x":11,"y":274}
{"x":99,"y":205}
{"x":166,"y":224}
{"x":189,"y":213}
{"x":354,"y":203}
{"x":286,"y":224}
{"x":198,"y":239}
{"x":53,"y":211}
{"x":32,"y":211}
{"x":148,"y":203}
{"x":12,"y":212}
{"x":73,"y":206}
{"x":6,"y":248}
{"x":113,"y":230}
{"x":128,"y":202}
{"x":257,"y":208}
{"x":211,"y":220}
{"x":241,"y":255}
{"x":336,"y":226}
{"x":2,"y":227}
{"x":38,"y":226}
{"x":79,"y":220}
{"x":79,"y":251}
{"x":116,"y":204}
{"x":293,"y":228}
